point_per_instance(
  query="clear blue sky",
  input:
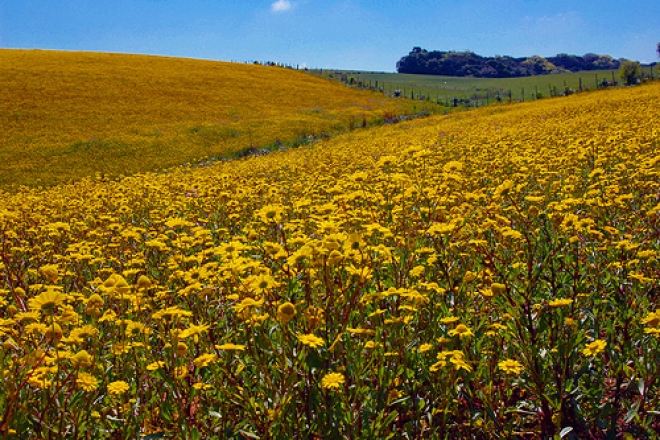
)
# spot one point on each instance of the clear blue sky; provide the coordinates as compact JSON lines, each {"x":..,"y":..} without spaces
{"x":350,"y":34}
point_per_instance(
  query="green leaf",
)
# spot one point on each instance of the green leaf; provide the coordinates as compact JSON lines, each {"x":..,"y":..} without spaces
{"x":249,"y":434}
{"x":632,"y":412}
{"x":313,"y":360}
{"x":401,"y":400}
{"x":194,"y":434}
{"x":154,"y":436}
{"x":390,"y":418}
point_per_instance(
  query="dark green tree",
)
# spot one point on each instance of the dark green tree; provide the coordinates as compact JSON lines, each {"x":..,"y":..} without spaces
{"x":630,"y":71}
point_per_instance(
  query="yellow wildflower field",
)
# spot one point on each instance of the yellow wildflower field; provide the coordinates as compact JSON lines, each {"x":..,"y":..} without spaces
{"x":67,"y":115}
{"x":484,"y":274}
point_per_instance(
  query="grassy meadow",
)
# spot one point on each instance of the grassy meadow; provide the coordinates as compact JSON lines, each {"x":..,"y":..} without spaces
{"x":66,"y":115}
{"x":444,"y":89}
{"x":483,"y":274}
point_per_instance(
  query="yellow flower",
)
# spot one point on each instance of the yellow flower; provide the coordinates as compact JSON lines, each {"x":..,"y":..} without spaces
{"x":425,"y":347}
{"x":560,"y":302}
{"x":652,"y":319}
{"x":263,"y":282}
{"x":311,"y":340}
{"x":449,"y":320}
{"x":205,"y":360}
{"x":497,"y":289}
{"x":510,"y":366}
{"x":286,"y":312}
{"x":247,"y":303}
{"x":270,"y":214}
{"x":594,"y":348}
{"x":81,"y":359}
{"x":54,"y":332}
{"x":50,"y":271}
{"x":181,"y":348}
{"x":181,"y":372}
{"x":194,"y":331}
{"x":109,"y":315}
{"x":134,"y":329}
{"x":462,"y":331}
{"x":143,"y":282}
{"x":47,"y":301}
{"x":457,"y":358}
{"x":335,"y":257}
{"x":332,"y":380}
{"x":87,"y":382}
{"x":230,"y":347}
{"x":118,"y":387}
{"x":155,"y":365}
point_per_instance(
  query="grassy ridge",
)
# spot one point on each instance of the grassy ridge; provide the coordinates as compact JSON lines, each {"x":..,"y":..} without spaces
{"x":65,"y":115}
{"x":446,"y":88}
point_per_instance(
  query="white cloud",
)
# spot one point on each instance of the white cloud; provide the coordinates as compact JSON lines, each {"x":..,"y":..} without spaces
{"x":281,"y":5}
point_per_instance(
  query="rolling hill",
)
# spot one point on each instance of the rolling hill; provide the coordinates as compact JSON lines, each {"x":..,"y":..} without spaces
{"x":66,"y":115}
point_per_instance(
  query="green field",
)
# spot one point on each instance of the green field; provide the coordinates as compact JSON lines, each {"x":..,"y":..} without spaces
{"x":479,"y":91}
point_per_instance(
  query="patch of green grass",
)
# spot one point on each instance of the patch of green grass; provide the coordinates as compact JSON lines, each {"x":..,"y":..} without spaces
{"x":445,"y":89}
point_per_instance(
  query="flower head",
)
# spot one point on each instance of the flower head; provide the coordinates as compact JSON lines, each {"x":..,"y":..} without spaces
{"x":594,"y":348}
{"x":311,"y":340}
{"x":81,"y":359}
{"x":286,"y":312}
{"x":46,"y":301}
{"x":87,"y":382}
{"x":332,"y":380}
{"x":560,"y":302}
{"x":510,"y":366}
{"x":462,"y":331}
{"x":230,"y":347}
{"x":118,"y":387}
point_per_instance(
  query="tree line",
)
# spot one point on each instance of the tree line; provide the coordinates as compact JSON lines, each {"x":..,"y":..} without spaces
{"x":421,"y":61}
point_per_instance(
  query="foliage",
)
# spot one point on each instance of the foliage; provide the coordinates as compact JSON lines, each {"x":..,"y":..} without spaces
{"x":486,"y":274}
{"x":421,"y":61}
{"x":74,"y":114}
{"x":630,"y":72}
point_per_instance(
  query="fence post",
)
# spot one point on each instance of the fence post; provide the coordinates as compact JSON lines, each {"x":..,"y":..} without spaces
{"x":597,"y":85}
{"x":580,"y":83}
{"x":523,"y":94}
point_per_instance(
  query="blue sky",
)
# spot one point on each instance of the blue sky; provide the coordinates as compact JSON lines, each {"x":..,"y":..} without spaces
{"x":349,"y":34}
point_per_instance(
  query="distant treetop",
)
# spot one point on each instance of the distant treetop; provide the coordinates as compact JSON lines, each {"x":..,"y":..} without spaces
{"x":421,"y":61}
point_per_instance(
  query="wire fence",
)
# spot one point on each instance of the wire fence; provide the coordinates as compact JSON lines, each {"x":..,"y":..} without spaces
{"x":481,"y":97}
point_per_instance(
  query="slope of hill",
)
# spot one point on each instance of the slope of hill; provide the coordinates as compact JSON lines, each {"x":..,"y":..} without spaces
{"x":484,"y":274}
{"x":65,"y":115}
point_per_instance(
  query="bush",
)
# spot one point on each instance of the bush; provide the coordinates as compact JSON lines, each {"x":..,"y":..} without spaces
{"x":630,"y":72}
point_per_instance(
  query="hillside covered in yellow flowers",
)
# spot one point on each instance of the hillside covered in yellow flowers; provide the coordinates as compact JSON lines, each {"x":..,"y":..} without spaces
{"x":66,"y":115}
{"x":485,"y":274}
